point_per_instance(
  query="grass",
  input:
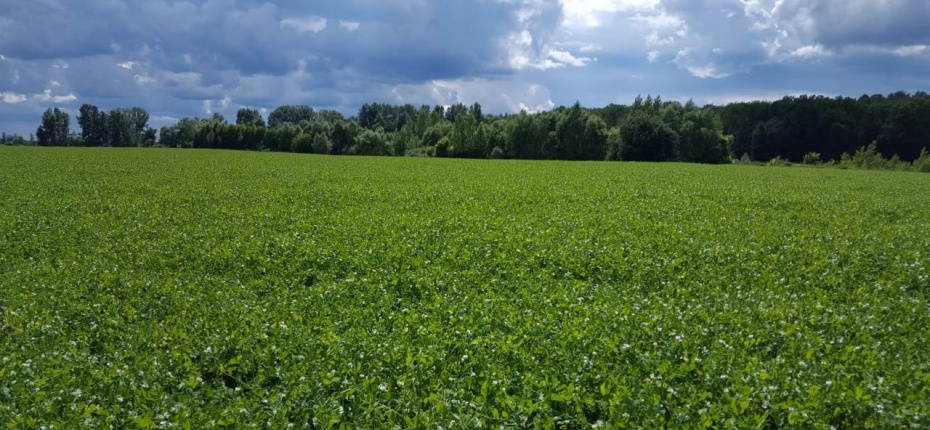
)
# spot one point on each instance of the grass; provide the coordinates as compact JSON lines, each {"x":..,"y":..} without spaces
{"x":146,"y":288}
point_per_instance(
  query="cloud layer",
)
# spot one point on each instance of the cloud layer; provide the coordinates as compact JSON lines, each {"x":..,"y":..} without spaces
{"x":192,"y":58}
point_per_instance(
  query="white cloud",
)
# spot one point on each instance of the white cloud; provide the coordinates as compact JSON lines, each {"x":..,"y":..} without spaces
{"x":313,"y":24}
{"x":47,"y":96}
{"x":12,"y":98}
{"x":128,"y":65}
{"x":55,"y":83}
{"x":144,"y":79}
{"x":810,"y":51}
{"x":701,"y":69}
{"x":586,"y":14}
{"x":907,"y":51}
{"x":349,"y":26}
{"x":652,"y":56}
{"x":530,"y":47}
{"x":662,"y":28}
{"x":2,"y":57}
{"x":211,"y":106}
{"x":590,"y":48}
{"x":565,"y":57}
{"x":707,"y":71}
{"x":724,"y":99}
{"x":494,"y":95}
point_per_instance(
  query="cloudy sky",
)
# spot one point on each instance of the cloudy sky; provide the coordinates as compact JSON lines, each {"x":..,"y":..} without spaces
{"x":195,"y":57}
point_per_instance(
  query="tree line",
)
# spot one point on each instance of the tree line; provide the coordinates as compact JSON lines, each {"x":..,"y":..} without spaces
{"x":650,"y":129}
{"x":790,"y":128}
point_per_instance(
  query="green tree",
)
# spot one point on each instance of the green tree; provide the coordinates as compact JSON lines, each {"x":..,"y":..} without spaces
{"x":303,"y":143}
{"x":525,"y":137}
{"x":370,"y":143}
{"x":614,"y":144}
{"x":321,"y":144}
{"x":121,"y":128}
{"x":281,"y":138}
{"x":342,"y":137}
{"x":701,"y":138}
{"x":251,"y":117}
{"x":594,"y":145}
{"x":646,"y":138}
{"x":54,"y":129}
{"x":93,"y":123}
{"x":570,"y":133}
{"x":290,"y":114}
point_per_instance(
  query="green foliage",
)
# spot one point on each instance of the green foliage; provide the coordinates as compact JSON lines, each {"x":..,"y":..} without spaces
{"x":250,"y":117}
{"x":321,"y":144}
{"x":422,"y":151}
{"x":866,"y":157}
{"x":302,"y":143}
{"x":646,"y":138}
{"x":922,"y":163}
{"x":614,"y":142}
{"x":54,"y":129}
{"x":290,"y":115}
{"x":202,"y":289}
{"x":370,"y":143}
{"x":812,"y":158}
{"x":779,"y":162}
{"x":701,"y":137}
{"x":789,"y":128}
{"x":794,"y":126}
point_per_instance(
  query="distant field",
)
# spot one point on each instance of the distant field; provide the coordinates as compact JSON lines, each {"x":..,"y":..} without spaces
{"x":146,"y":288}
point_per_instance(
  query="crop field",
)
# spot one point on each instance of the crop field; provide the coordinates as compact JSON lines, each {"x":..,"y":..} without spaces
{"x":148,"y":288}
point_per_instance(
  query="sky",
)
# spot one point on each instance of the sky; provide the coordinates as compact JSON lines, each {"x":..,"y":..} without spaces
{"x":193,"y":58}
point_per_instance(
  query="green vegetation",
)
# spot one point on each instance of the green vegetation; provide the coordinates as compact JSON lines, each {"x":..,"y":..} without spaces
{"x":143,"y":288}
{"x":883,"y":132}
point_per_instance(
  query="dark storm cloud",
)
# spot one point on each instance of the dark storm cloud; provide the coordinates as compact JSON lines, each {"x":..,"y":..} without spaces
{"x":181,"y":58}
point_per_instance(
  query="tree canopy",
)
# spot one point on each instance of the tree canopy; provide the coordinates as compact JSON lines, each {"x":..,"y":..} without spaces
{"x":792,"y":129}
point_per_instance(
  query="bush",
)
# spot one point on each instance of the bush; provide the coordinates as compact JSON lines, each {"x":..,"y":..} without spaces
{"x":321,"y":144}
{"x":302,"y":143}
{"x":423,"y":151}
{"x":812,"y":158}
{"x":922,"y":163}
{"x":778,"y":161}
{"x":896,"y":163}
{"x":866,"y":157}
{"x":647,"y":138}
{"x":614,"y":144}
{"x":497,"y":153}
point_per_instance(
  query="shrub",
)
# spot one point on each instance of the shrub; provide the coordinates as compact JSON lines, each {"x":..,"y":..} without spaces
{"x":778,"y":161}
{"x":423,"y":151}
{"x":302,"y":143}
{"x":812,"y":158}
{"x":321,"y":144}
{"x":922,"y":163}
{"x":866,"y":157}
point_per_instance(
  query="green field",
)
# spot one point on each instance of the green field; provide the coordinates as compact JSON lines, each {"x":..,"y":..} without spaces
{"x":186,"y":289}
